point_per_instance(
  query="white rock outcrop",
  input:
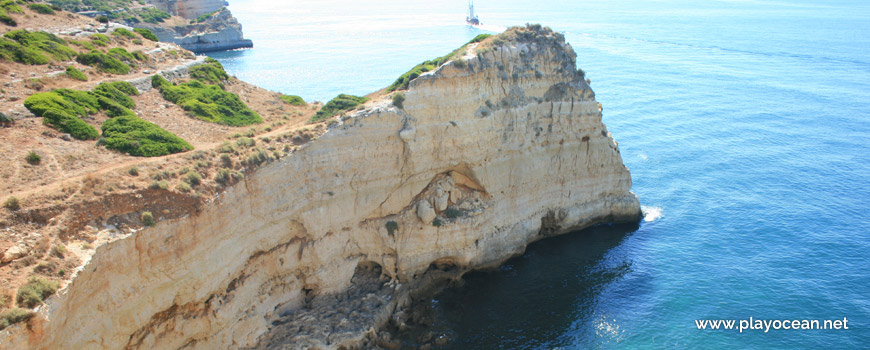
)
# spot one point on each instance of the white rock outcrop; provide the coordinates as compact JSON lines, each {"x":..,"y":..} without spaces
{"x":508,"y":145}
{"x":218,"y":32}
{"x":189,"y":9}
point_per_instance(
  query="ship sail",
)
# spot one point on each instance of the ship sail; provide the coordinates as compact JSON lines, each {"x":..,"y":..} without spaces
{"x":471,"y":19}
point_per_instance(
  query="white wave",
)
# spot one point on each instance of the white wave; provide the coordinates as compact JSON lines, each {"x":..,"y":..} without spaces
{"x":651,"y":214}
{"x":643,"y":156}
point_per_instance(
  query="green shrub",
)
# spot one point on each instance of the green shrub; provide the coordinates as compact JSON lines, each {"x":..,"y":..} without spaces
{"x":76,"y":74}
{"x":15,"y":52}
{"x":104,"y":62}
{"x":86,"y":102}
{"x":137,"y":137}
{"x":452,"y":213}
{"x":83,"y":44}
{"x":124,"y":33}
{"x":204,"y":17}
{"x":152,"y":15}
{"x":100,"y":39}
{"x":33,"y":158}
{"x":399,"y":99}
{"x":245,"y":142}
{"x":13,"y":316}
{"x":75,"y":127}
{"x":226,"y":161}
{"x":110,"y":97}
{"x":193,"y":178}
{"x":121,"y":54}
{"x":293,"y":100}
{"x":183,"y":187}
{"x":123,"y":86}
{"x":207,"y":102}
{"x":339,"y":104}
{"x":5,"y":120}
{"x":134,"y":171}
{"x":102,"y":19}
{"x":7,"y":20}
{"x":39,"y":103}
{"x":34,"y":84}
{"x":41,"y":9}
{"x":29,"y":38}
{"x":258,"y":157}
{"x":35,"y":291}
{"x":404,"y":80}
{"x":27,"y":47}
{"x":436,"y":222}
{"x":145,"y":33}
{"x":61,"y":107}
{"x":11,"y":6}
{"x":148,"y":219}
{"x":211,"y":72}
{"x":58,"y":251}
{"x":227,"y":177}
{"x":226,"y":147}
{"x":392,"y":227}
{"x":12,"y":203}
{"x":159,"y":185}
{"x":112,"y":108}
{"x":118,"y":91}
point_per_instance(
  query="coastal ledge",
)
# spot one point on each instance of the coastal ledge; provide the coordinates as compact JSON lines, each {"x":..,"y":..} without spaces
{"x":498,"y":147}
{"x":203,"y":47}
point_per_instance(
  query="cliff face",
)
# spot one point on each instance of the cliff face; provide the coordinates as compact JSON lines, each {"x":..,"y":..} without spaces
{"x":491,"y":152}
{"x":219,"y":32}
{"x":188,"y":8}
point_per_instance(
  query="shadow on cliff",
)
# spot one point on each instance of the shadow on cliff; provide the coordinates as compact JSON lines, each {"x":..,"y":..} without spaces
{"x":533,"y":300}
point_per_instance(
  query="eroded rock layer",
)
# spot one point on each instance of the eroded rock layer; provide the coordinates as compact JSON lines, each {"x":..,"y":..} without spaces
{"x":490,"y":152}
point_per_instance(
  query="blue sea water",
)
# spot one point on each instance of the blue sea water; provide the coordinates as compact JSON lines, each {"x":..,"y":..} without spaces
{"x":746,"y":126}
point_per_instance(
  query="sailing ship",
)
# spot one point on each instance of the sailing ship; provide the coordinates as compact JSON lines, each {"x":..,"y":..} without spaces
{"x":471,"y":19}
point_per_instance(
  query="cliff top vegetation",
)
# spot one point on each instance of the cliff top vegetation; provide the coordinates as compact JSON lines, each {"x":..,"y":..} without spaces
{"x":79,"y":134}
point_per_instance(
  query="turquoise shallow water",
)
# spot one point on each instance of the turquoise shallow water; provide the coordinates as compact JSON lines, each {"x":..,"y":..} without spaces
{"x":746,"y":126}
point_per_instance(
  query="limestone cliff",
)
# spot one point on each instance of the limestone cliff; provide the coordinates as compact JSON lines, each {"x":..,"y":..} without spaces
{"x":217,"y":32}
{"x":189,"y":8}
{"x":492,"y":151}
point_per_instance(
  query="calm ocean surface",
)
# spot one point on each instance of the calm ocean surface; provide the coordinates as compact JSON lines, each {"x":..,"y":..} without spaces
{"x":746,"y":126}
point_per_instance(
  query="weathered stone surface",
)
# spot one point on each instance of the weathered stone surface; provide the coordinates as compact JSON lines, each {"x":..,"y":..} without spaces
{"x":14,"y":252}
{"x":425,"y":212}
{"x":189,"y":9}
{"x":260,"y":260}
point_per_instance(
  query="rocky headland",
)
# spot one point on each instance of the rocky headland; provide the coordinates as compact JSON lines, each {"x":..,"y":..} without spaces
{"x":497,"y":147}
{"x":218,"y":31}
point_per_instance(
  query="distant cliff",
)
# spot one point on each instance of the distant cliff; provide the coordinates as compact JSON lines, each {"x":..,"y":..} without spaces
{"x":495,"y":149}
{"x":189,"y":9}
{"x":212,"y":26}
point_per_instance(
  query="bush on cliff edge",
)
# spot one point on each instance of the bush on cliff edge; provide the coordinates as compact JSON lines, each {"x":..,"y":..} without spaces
{"x":340,"y":104}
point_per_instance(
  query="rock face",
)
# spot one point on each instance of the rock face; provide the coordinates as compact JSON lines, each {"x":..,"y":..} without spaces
{"x":188,"y":8}
{"x":219,"y":32}
{"x":491,"y":152}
